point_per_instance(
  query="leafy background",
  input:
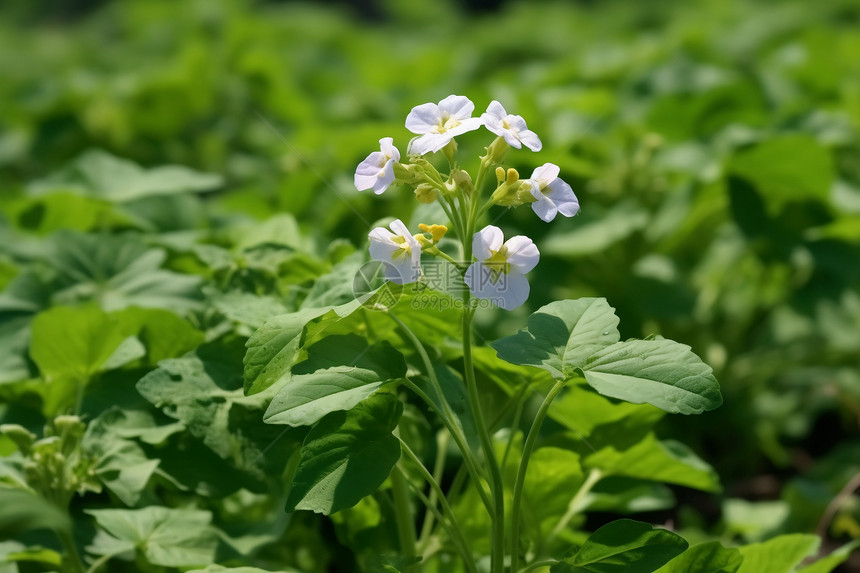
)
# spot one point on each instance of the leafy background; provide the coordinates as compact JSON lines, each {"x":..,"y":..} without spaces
{"x":173,"y":174}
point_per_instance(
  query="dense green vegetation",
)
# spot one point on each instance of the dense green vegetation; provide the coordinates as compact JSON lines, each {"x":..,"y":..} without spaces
{"x":175,"y":175}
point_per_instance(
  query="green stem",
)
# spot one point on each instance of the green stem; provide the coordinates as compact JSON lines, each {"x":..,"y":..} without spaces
{"x":442,"y":254}
{"x":403,"y":513}
{"x":528,"y":447}
{"x":450,"y":523}
{"x":497,"y":560}
{"x":515,"y":423}
{"x":460,"y":440}
{"x":438,"y":469}
{"x":72,"y":557}
{"x":446,"y":414}
{"x":574,"y":506}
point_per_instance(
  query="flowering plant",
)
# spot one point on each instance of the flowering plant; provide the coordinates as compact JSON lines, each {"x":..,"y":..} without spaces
{"x":357,"y":371}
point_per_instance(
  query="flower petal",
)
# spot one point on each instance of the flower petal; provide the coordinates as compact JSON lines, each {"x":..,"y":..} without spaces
{"x":423,"y":118}
{"x":386,"y":145}
{"x":508,"y":291}
{"x":511,"y":138}
{"x":516,"y":123}
{"x":382,"y":247}
{"x":479,"y":278}
{"x":563,"y":197}
{"x":530,"y":140}
{"x":523,"y":255}
{"x":460,"y":107}
{"x":429,"y":143}
{"x":515,"y":293}
{"x":496,"y":110}
{"x":546,"y":173}
{"x":403,"y":271}
{"x":385,"y":178}
{"x":469,"y":124}
{"x":485,"y":241}
{"x":544,"y":207}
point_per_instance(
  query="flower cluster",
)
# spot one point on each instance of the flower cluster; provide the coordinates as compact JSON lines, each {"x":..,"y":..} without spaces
{"x":491,"y":267}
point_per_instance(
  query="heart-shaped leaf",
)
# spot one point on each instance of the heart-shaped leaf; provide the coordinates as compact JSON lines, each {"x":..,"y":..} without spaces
{"x":662,"y":373}
{"x":561,"y":335}
{"x":347,"y":456}
{"x":623,"y":545}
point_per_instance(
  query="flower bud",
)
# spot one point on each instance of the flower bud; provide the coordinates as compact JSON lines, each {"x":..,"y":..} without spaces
{"x":426,"y":193}
{"x":462,"y":180}
{"x":21,"y":436}
{"x":507,"y":191}
{"x":423,"y":241}
{"x":408,"y":174}
{"x":496,"y":151}
{"x":524,"y":192}
{"x":436,"y":231}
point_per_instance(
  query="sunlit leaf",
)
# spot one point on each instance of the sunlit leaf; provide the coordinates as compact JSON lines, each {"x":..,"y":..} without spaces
{"x":623,"y":545}
{"x":561,"y":335}
{"x":347,"y":456}
{"x":662,"y":373}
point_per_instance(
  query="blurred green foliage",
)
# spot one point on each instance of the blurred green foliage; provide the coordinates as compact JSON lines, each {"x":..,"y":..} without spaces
{"x":713,"y":146}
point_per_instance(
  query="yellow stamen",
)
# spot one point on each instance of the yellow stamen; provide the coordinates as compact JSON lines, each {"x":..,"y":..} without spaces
{"x":436,"y":231}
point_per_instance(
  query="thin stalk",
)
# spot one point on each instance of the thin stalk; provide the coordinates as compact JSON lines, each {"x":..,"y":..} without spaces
{"x":515,"y":423}
{"x":403,"y":513}
{"x":573,"y":507}
{"x":73,"y":558}
{"x":438,"y":469}
{"x":460,"y":440}
{"x":497,"y":559}
{"x":450,"y":523}
{"x":446,"y":414}
{"x":528,"y":448}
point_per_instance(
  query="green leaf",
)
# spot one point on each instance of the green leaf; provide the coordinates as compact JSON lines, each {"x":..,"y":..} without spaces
{"x":830,"y":562}
{"x":754,"y":520}
{"x":665,"y":461}
{"x":598,"y":232}
{"x":221,"y":569}
{"x":164,"y":536}
{"x":778,"y":555}
{"x":119,"y":463}
{"x":553,"y":476}
{"x":662,"y":373}
{"x":342,"y":371}
{"x":786,"y":168}
{"x":582,"y":410}
{"x":163,"y":333}
{"x":623,"y":545}
{"x":78,"y":342}
{"x":102,"y":175}
{"x":561,"y":336}
{"x":24,"y":511}
{"x":624,"y":495}
{"x":204,"y":391}
{"x":37,"y":554}
{"x":347,"y":456}
{"x":118,"y":271}
{"x":711,"y":557}
{"x":273,"y":348}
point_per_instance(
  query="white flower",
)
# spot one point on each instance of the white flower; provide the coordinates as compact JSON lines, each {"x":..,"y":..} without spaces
{"x":439,"y":124}
{"x":511,"y":127}
{"x":499,"y":273}
{"x":552,"y":194}
{"x":377,"y":171}
{"x":399,"y":250}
